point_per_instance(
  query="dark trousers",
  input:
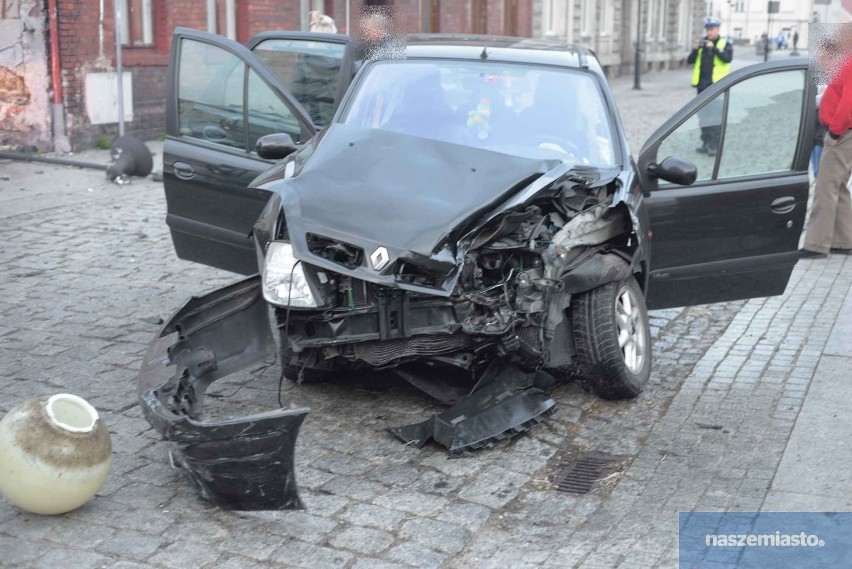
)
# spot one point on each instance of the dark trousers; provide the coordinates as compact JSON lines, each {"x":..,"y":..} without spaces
{"x":710,"y":118}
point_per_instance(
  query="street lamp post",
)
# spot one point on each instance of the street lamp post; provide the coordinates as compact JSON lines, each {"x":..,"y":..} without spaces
{"x":768,"y":36}
{"x":637,"y":65}
{"x":772,"y":7}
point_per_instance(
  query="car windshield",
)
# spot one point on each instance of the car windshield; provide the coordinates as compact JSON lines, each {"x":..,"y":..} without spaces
{"x":510,"y":108}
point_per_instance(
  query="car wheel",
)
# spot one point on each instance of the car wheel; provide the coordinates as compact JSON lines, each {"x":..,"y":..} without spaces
{"x":612,"y":339}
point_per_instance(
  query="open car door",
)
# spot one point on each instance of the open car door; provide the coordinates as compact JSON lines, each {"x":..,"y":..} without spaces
{"x":734,"y":233}
{"x":222,"y":98}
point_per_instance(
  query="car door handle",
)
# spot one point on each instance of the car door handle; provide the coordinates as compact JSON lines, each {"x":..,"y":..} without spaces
{"x":183,"y":170}
{"x":785,"y":204}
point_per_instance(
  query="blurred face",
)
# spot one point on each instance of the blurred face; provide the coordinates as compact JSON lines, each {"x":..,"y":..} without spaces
{"x":829,"y":60}
{"x":713,"y":33}
{"x":373,"y":29}
{"x":373,"y":33}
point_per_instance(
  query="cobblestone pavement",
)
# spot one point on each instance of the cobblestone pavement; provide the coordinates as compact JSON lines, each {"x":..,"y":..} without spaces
{"x":87,"y":267}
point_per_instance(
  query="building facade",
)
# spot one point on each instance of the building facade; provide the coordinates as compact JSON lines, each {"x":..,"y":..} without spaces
{"x":831,"y":11}
{"x":80,"y":74}
{"x":24,"y":75}
{"x":58,"y":57}
{"x":747,"y":20}
{"x":609,"y":27}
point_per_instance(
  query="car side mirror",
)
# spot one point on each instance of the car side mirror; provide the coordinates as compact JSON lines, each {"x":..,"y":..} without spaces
{"x":275,"y":146}
{"x":675,"y":170}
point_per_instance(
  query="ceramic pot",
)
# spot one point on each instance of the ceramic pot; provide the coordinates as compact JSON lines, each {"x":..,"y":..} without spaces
{"x":55,"y":453}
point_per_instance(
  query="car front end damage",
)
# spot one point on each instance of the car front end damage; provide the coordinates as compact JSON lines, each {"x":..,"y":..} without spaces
{"x":472,"y":304}
{"x":449,"y":297}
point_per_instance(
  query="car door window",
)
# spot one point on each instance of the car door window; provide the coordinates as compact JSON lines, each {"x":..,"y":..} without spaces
{"x":748,"y":138}
{"x":267,"y":114}
{"x":210,"y":95}
{"x":309,"y":69}
{"x":687,"y":140}
{"x":756,"y":142}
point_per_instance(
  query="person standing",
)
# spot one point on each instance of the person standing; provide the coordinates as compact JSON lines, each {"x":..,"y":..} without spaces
{"x":320,"y":23}
{"x":711,"y":60}
{"x":795,"y":40}
{"x":316,"y":77}
{"x":830,"y":221}
{"x":819,"y":135}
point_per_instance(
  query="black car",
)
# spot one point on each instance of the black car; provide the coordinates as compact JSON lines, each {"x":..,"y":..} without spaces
{"x":469,"y":216}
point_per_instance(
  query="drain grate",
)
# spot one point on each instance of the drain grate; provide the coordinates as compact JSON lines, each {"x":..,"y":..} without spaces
{"x":580,"y":474}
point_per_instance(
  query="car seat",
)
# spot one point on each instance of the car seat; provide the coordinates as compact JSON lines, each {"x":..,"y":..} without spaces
{"x":422,"y":109}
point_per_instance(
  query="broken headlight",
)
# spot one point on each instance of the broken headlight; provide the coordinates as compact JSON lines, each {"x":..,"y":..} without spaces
{"x":284,"y":281}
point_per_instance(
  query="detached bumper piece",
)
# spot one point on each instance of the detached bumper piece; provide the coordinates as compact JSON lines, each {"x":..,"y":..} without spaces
{"x":502,"y":405}
{"x":239,"y":464}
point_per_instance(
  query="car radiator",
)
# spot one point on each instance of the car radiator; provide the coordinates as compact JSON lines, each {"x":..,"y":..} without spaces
{"x":385,"y":352}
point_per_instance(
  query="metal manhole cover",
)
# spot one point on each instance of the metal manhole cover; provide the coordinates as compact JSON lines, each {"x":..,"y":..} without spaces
{"x":579,"y":474}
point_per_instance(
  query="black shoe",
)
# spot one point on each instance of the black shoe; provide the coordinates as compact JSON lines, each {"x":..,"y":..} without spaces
{"x":701,"y":150}
{"x":807,"y":254}
{"x":841,"y":251}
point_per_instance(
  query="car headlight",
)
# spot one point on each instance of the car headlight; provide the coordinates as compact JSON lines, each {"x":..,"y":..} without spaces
{"x":284,"y":281}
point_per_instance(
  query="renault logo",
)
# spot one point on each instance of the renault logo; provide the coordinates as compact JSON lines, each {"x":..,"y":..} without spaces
{"x":379,"y":259}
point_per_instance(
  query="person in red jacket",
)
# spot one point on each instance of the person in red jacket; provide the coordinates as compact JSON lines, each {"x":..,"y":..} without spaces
{"x":830,"y":222}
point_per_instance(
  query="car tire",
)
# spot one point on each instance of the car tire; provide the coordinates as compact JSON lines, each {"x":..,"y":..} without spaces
{"x":612,"y":339}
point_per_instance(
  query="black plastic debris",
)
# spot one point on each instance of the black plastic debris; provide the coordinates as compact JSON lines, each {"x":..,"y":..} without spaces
{"x":504,"y":403}
{"x":243,"y":463}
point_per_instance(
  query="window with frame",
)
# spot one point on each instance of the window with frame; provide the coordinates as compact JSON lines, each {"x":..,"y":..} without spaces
{"x":555,"y":20}
{"x":684,"y":23}
{"x":587,"y":17}
{"x":212,"y":105}
{"x":608,"y":19}
{"x":511,"y":108}
{"x":649,"y":22}
{"x":308,"y":69}
{"x":754,"y":132}
{"x":137,"y":23}
{"x":479,"y":16}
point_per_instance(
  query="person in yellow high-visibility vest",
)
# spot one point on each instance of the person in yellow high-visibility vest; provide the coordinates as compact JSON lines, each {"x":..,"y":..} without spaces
{"x":711,"y":60}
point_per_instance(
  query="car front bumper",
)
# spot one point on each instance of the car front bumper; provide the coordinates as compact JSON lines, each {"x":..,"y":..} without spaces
{"x":245,"y":463}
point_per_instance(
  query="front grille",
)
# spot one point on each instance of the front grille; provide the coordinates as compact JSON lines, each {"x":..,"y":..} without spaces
{"x":383,"y":353}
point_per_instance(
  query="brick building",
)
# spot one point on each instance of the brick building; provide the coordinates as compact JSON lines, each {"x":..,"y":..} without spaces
{"x":82,"y":38}
{"x":24,"y":75}
{"x":78,"y":71}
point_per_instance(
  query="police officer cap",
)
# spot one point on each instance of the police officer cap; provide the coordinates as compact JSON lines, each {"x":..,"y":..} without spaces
{"x":712,"y":23}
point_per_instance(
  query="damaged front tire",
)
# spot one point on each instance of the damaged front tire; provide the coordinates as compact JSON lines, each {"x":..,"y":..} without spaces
{"x":612,"y":339}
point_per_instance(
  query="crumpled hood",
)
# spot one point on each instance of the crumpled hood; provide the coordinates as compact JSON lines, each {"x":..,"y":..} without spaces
{"x":372,"y":187}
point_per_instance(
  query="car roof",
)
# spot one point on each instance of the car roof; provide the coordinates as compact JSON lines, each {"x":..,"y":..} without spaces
{"x":500,"y":48}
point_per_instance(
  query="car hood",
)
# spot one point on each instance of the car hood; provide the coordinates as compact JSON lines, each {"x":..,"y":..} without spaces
{"x":371,"y":188}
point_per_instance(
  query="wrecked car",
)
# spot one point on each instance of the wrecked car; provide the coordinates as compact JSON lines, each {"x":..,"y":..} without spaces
{"x":469,"y":210}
